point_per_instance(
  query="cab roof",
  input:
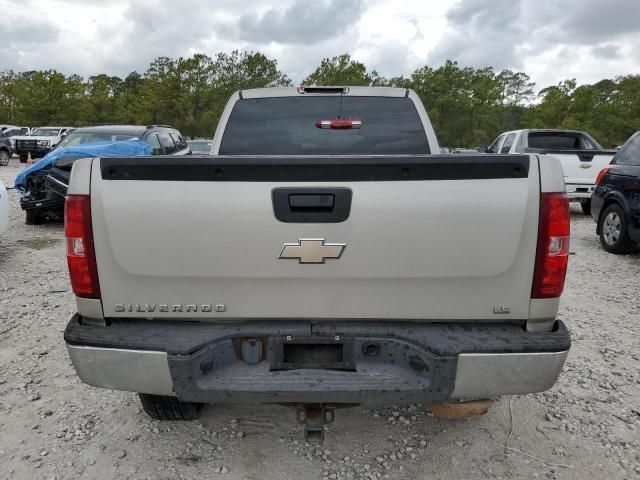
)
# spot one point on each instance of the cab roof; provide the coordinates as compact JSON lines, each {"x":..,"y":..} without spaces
{"x":123,"y":129}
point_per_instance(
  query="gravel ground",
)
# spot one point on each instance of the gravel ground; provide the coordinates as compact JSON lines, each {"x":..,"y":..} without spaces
{"x":53,"y":426}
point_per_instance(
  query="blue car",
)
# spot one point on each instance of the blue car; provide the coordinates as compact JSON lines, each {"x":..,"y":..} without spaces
{"x":43,"y":185}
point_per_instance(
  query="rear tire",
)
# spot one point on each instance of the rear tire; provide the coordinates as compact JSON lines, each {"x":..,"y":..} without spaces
{"x":34,"y":217}
{"x":4,"y":158}
{"x":23,"y":158}
{"x":169,"y":408}
{"x":586,"y":207}
{"x":613,"y":231}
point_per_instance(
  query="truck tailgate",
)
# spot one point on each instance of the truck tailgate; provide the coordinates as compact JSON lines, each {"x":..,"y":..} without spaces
{"x":426,"y":237}
{"x":582,"y":167}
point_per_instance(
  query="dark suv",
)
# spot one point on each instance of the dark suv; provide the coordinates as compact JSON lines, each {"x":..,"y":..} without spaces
{"x":5,"y":150}
{"x":48,"y":188}
{"x":615,"y":204}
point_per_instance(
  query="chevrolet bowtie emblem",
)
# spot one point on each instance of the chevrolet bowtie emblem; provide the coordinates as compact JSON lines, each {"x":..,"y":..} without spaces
{"x":312,"y":250}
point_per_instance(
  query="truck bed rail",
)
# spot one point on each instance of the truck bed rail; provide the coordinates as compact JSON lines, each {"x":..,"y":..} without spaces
{"x":314,"y":168}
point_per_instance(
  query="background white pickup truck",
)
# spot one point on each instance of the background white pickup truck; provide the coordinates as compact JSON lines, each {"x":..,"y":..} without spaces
{"x":579,"y":154}
{"x":40,"y":142}
{"x":321,"y":255}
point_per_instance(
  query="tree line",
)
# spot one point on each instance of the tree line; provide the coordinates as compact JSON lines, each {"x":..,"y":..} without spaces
{"x":468,"y":106}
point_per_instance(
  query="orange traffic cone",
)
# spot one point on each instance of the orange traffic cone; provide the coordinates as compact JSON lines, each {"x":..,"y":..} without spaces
{"x":29,"y":159}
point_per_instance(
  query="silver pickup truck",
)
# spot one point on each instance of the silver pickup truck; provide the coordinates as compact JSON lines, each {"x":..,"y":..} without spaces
{"x":321,"y":255}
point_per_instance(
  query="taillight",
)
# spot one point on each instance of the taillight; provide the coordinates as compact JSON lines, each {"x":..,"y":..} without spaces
{"x":553,"y":246}
{"x":601,"y":174}
{"x":81,"y":256}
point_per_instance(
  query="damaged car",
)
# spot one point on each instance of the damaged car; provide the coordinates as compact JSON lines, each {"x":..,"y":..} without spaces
{"x":43,"y":185}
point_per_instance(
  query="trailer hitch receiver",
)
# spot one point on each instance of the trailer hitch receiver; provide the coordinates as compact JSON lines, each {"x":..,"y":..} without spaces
{"x":314,"y":417}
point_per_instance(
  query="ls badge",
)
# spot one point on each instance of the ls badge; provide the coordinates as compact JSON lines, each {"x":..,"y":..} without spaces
{"x":312,"y":250}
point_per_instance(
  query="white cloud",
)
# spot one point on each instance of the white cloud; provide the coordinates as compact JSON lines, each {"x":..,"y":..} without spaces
{"x":300,"y":23}
{"x":551,"y":40}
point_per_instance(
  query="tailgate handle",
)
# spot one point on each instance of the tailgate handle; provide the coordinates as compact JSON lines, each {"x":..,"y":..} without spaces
{"x":311,"y":202}
{"x":311,"y":205}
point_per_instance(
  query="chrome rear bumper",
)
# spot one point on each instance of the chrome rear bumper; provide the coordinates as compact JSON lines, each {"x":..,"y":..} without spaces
{"x":417,"y":363}
{"x":477,"y":375}
{"x":131,"y":370}
{"x":491,"y":374}
{"x":577,"y":191}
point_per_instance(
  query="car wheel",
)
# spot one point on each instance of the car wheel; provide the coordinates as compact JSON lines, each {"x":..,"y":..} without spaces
{"x":169,"y":408}
{"x":34,"y":217}
{"x":586,"y":207}
{"x":4,"y":158}
{"x":23,"y":158}
{"x":613,"y":230}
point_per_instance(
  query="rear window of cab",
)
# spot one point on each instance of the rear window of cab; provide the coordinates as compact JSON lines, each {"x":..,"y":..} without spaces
{"x":287,"y":126}
{"x":561,"y":141}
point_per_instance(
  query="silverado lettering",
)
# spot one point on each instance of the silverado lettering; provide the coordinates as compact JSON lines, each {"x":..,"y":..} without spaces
{"x":166,"y":308}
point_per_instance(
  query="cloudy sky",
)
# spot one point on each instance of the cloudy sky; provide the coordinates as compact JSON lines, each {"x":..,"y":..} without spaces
{"x":551,"y":40}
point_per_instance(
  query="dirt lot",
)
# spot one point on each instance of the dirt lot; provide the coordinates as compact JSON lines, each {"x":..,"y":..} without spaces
{"x":53,"y":426}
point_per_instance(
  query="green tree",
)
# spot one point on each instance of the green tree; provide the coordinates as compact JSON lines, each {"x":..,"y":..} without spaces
{"x":467,"y":106}
{"x":239,"y":71}
{"x":8,"y":97}
{"x":554,"y":106}
{"x":516,"y":88}
{"x":343,"y":70}
{"x":129,"y":108}
{"x":462,"y":102}
{"x":101,"y":99}
{"x":516,"y":92}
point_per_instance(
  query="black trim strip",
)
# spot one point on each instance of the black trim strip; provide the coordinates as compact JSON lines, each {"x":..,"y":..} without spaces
{"x":543,"y":151}
{"x":193,"y":168}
